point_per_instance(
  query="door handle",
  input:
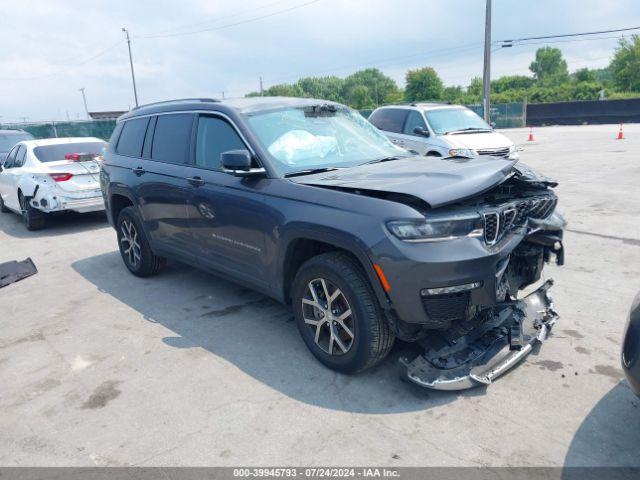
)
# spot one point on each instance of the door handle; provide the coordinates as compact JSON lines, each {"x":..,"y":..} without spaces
{"x":139,"y":171}
{"x":195,"y":181}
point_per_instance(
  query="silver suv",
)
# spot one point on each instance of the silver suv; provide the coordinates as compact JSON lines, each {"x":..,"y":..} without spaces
{"x":441,"y":130}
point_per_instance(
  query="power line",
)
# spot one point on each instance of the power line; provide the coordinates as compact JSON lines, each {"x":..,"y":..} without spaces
{"x":386,"y":61}
{"x":561,"y":41}
{"x":75,"y":64}
{"x":568,"y":35}
{"x":220,"y":27}
{"x":217,"y":19}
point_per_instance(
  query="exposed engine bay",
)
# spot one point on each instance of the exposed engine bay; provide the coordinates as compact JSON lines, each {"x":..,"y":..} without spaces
{"x":474,"y":343}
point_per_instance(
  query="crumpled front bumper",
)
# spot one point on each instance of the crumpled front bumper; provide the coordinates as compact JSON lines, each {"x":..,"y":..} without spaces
{"x":493,"y":350}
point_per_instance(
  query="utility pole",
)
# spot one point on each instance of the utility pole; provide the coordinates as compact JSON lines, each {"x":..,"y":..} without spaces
{"x":84,"y":99}
{"x":133,"y":75}
{"x":261,"y":90}
{"x":375,"y":83}
{"x":486,"y":74}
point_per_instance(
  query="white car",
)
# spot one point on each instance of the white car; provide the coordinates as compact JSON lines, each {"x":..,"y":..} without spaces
{"x":441,"y":130}
{"x":40,"y":177}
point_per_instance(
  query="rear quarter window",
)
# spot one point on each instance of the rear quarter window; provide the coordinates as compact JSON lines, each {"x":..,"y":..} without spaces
{"x":389,"y":119}
{"x":132,"y":137}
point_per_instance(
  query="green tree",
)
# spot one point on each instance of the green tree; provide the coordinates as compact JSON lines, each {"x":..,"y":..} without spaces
{"x":625,"y":65}
{"x":380,"y":89}
{"x":359,"y":97}
{"x":284,"y":90}
{"x":586,"y":91}
{"x":423,"y":84}
{"x":475,"y":87}
{"x":511,"y":82}
{"x":327,"y":88}
{"x":549,"y":68}
{"x":452,"y":94}
{"x":584,"y":75}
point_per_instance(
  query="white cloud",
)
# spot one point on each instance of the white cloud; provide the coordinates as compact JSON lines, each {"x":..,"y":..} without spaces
{"x":47,"y":39}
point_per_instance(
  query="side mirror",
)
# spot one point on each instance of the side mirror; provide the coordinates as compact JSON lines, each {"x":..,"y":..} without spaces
{"x":238,"y":163}
{"x":492,"y":124}
{"x":421,"y":131}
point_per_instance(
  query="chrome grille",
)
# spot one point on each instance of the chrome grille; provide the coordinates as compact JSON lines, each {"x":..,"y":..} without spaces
{"x":516,"y":213}
{"x":495,"y":152}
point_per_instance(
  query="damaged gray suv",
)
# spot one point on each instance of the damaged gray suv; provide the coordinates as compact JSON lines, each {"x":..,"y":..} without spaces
{"x":307,"y":202}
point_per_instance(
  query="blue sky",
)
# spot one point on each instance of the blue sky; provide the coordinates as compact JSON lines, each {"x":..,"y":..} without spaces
{"x":51,"y":48}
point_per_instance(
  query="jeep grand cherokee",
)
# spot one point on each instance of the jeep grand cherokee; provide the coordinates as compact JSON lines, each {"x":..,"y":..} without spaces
{"x":307,"y":202}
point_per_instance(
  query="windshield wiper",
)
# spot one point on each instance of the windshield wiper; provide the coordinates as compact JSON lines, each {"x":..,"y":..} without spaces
{"x":467,"y":130}
{"x":384,"y":159}
{"x":310,"y":171}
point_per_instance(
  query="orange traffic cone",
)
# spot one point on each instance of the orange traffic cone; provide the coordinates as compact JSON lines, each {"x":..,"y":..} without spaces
{"x":530,"y":134}
{"x":620,"y":135}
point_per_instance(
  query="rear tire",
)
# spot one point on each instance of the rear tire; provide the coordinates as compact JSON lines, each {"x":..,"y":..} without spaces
{"x":134,"y":248}
{"x":3,"y":208}
{"x":32,"y":218}
{"x":346,"y":331}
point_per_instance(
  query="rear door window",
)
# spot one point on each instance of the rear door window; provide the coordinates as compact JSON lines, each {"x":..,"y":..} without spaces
{"x":21,"y":156}
{"x":414,"y":119}
{"x":172,"y":138}
{"x":215,"y":136}
{"x":389,"y":119}
{"x":132,"y":137}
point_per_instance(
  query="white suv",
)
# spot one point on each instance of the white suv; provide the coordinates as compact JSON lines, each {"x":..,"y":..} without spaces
{"x":441,"y":130}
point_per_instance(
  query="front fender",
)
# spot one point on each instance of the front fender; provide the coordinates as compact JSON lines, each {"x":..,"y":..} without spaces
{"x":333,"y":236}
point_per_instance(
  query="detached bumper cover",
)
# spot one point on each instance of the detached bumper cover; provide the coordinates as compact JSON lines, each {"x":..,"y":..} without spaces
{"x":48,"y":201}
{"x":491,"y":349}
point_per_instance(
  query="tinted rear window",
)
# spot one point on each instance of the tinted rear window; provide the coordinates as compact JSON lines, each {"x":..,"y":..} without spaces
{"x":132,"y":136}
{"x":52,"y":153}
{"x":389,"y":119}
{"x":172,"y":137}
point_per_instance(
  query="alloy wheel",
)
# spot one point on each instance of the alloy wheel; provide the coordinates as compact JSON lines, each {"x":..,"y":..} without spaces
{"x":327,"y":313}
{"x":130,"y":245}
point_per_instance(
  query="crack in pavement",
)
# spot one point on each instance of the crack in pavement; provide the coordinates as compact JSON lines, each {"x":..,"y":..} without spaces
{"x":628,"y":241}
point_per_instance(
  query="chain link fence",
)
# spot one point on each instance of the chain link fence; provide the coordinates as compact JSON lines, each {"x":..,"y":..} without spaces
{"x":505,"y":115}
{"x":90,"y":128}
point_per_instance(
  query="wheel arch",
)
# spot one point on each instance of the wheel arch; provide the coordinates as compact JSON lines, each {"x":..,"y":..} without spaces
{"x":117,"y":200}
{"x":301,"y":245}
{"x":27,"y":186}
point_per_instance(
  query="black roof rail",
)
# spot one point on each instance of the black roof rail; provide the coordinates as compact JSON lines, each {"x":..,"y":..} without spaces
{"x":209,"y":100}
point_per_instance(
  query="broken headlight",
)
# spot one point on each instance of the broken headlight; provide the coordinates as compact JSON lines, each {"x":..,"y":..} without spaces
{"x":437,"y":229}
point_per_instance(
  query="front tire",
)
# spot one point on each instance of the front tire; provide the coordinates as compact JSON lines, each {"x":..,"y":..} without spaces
{"x":134,"y":248}
{"x":32,"y":218}
{"x":338,"y":315}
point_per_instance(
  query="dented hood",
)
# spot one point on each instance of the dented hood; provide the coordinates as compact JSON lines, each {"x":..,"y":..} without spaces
{"x":437,"y":181}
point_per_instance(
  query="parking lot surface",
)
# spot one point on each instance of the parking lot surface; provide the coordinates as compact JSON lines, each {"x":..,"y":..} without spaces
{"x":98,"y":367}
